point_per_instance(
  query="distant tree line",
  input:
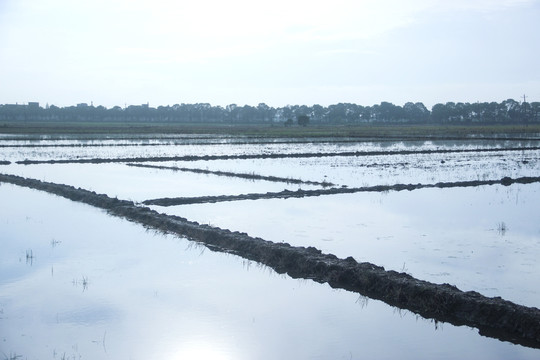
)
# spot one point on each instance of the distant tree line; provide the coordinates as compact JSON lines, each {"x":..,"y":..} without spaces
{"x":508,"y":111}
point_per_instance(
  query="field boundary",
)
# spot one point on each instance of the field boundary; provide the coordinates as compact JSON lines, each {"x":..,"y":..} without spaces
{"x":286,"y":194}
{"x":235,"y":174}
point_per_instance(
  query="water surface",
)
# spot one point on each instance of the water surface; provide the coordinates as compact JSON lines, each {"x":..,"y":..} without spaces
{"x":102,"y":287}
{"x":485,"y":239}
{"x":77,"y":283}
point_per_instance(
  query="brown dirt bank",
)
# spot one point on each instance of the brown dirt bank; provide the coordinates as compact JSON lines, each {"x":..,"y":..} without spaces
{"x":269,"y":156}
{"x":506,"y":181}
{"x":494,"y":317}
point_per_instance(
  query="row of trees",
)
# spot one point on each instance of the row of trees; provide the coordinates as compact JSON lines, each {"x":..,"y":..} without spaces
{"x":508,"y":111}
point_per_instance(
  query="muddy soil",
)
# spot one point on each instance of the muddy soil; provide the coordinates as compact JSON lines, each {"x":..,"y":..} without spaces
{"x":506,"y":181}
{"x":493,"y":317}
{"x":269,"y":156}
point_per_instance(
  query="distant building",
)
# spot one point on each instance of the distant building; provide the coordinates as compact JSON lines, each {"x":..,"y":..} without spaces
{"x":33,"y":105}
{"x":82,"y":105}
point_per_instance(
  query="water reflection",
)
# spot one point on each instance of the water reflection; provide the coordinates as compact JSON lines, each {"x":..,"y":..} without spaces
{"x":438,"y":235}
{"x":76,"y":283}
{"x":202,"y":350}
{"x":386,"y":170}
{"x":156,"y":296}
{"x":138,"y":184}
{"x":78,"y":149}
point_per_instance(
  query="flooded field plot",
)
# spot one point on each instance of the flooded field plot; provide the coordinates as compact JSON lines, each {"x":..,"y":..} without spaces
{"x":356,"y":171}
{"x":45,"y":150}
{"x":138,"y":184}
{"x":485,"y":239}
{"x":79,"y":283}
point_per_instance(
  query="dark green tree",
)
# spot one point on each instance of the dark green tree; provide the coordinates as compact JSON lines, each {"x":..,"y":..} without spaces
{"x":303,"y":120}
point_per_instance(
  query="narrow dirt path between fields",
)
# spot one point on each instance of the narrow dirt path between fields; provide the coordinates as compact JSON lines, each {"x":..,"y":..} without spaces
{"x":285,"y":194}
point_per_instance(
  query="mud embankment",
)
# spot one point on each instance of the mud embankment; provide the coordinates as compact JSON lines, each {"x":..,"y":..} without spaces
{"x":493,"y":317}
{"x":269,"y":156}
{"x":236,"y":175}
{"x":285,"y":194}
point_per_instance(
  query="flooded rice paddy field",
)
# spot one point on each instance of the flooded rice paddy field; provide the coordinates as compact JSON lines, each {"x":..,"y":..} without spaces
{"x":138,"y":184}
{"x":78,"y":283}
{"x":357,"y":171}
{"x":18,"y":150}
{"x":483,"y":239}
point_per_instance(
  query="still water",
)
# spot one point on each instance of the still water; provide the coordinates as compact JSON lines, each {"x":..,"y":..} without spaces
{"x":95,"y":286}
{"x":15,"y":150}
{"x":485,"y":239}
{"x":76,"y":283}
{"x":139,"y":184}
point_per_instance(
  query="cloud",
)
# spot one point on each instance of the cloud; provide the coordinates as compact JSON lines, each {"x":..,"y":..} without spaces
{"x":187,"y":31}
{"x":167,"y":45}
{"x":171,"y":31}
{"x":206,"y":29}
{"x":482,"y":6}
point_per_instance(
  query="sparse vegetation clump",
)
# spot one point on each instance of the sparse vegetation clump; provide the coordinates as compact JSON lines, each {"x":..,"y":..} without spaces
{"x":502,"y":228}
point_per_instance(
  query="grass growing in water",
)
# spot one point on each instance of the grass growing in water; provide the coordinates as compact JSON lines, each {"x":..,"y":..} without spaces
{"x":502,"y":228}
{"x":29,"y":256}
{"x":11,"y":356}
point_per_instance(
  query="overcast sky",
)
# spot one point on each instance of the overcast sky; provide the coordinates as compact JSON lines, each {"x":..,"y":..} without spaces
{"x":305,"y":52}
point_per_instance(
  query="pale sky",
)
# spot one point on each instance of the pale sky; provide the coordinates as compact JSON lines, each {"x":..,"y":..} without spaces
{"x":165,"y":52}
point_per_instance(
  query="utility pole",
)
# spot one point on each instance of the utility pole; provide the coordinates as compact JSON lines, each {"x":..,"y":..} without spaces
{"x":524,"y":110}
